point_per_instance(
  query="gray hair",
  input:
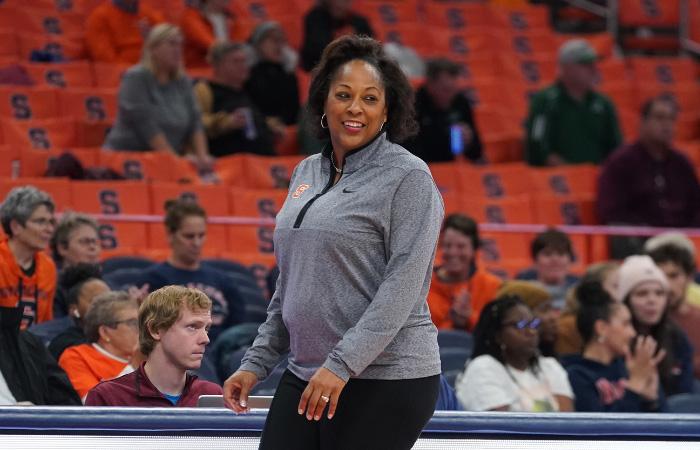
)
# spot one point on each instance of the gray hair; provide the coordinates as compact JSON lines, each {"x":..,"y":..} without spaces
{"x":103,"y":311}
{"x":20,"y":204}
{"x":70,"y":221}
{"x":219,"y":50}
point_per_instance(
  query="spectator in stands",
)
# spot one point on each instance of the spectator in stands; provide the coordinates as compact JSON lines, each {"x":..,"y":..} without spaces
{"x":111,"y":328}
{"x":84,"y":283}
{"x":28,"y":373}
{"x":27,"y":274}
{"x":539,"y":300}
{"x":680,"y":240}
{"x":569,"y":122}
{"x":273,"y":84}
{"x":459,"y":289}
{"x":173,"y":326}
{"x":76,"y":240}
{"x":232,"y":121}
{"x":441,"y":107}
{"x":569,"y":340}
{"x":116,"y":29}
{"x":186,"y":226}
{"x":678,"y":264}
{"x":609,"y":376}
{"x":328,"y":20}
{"x":506,"y":372}
{"x":552,"y":254}
{"x":648,"y":182}
{"x":157,"y":109}
{"x":645,"y":290}
{"x":204,"y":24}
{"x":71,"y":277}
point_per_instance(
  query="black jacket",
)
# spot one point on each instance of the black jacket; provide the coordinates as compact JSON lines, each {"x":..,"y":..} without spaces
{"x":29,"y":370}
{"x":274,"y":91}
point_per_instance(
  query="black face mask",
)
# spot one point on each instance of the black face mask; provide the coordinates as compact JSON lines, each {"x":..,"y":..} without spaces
{"x":10,"y":319}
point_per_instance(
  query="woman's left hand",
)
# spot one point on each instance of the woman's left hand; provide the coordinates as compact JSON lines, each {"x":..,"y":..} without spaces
{"x":324,"y":388}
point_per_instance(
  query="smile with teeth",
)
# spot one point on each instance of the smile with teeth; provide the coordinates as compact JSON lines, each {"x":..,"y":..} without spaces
{"x":353,"y":124}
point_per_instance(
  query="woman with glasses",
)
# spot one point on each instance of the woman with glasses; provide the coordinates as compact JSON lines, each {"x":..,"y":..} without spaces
{"x":507,"y":372}
{"x":111,"y":328}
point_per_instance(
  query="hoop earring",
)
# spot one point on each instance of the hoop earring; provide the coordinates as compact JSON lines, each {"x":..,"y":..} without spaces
{"x":324,"y":117}
{"x":383,"y":125}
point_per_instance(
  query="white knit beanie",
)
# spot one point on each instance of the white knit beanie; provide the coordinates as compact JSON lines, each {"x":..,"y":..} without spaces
{"x":634,"y":271}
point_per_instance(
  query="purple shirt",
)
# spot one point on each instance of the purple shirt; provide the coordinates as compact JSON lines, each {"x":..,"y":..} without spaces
{"x":135,"y":389}
{"x":636,"y":189}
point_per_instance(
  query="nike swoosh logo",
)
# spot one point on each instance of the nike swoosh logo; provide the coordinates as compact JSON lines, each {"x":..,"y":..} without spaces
{"x":346,"y":191}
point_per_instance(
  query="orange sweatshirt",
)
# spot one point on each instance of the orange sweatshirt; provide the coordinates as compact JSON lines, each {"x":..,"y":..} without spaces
{"x":116,"y":36}
{"x":199,"y":36}
{"x":88,"y":364}
{"x":34,"y":294}
{"x":482,"y":288}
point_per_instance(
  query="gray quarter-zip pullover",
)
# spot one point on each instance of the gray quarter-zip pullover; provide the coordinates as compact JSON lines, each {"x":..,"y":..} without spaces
{"x":355,"y":262}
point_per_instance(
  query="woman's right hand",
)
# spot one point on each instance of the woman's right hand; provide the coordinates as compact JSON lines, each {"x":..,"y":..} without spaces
{"x":237,"y":388}
{"x":461,"y":309}
{"x":642,"y":367}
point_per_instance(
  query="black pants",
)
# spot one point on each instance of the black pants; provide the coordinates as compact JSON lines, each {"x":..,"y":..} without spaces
{"x":371,"y":414}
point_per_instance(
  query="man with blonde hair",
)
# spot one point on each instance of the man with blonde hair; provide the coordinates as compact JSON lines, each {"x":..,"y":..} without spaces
{"x":173,"y":325}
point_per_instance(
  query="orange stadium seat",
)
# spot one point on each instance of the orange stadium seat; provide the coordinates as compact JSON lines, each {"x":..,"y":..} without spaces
{"x":523,"y":18}
{"x":454,"y":203}
{"x":495,"y":181}
{"x":664,"y":71}
{"x":611,"y":71}
{"x":460,"y":45}
{"x":259,"y":11}
{"x":500,"y":136}
{"x":629,"y":122}
{"x":58,"y":188}
{"x":623,"y":94}
{"x":262,"y":204}
{"x":651,"y":13}
{"x":565,"y":180}
{"x":28,"y":103}
{"x":112,"y":198}
{"x":264,"y":172}
{"x":63,"y":47}
{"x":445,"y":176}
{"x":9,"y":47}
{"x":10,"y":157}
{"x":458,"y":16}
{"x":34,"y":163}
{"x":91,"y":133}
{"x":230,"y":169}
{"x":214,"y":200}
{"x":48,"y":21}
{"x":145,"y":165}
{"x":39,"y":134}
{"x":382,"y":14}
{"x":493,"y":94}
{"x":499,"y":247}
{"x":88,"y":104}
{"x":62,"y":75}
{"x":108,"y":75}
{"x":513,"y":209}
{"x":564,"y":210}
{"x":536,"y":72}
{"x":524,"y":44}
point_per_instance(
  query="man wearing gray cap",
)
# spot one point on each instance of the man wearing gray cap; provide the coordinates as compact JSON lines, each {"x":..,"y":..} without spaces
{"x":569,"y":122}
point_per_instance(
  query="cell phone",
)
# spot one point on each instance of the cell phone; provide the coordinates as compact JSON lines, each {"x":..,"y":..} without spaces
{"x":456,"y":140}
{"x":217,"y":401}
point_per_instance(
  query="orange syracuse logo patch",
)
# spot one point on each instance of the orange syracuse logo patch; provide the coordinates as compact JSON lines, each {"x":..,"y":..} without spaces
{"x":300,"y":190}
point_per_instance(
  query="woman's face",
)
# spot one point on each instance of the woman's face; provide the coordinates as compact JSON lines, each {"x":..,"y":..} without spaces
{"x":188,"y":241}
{"x":611,"y":281}
{"x":457,"y":252}
{"x":167,"y":54}
{"x":123,"y":333}
{"x":618,"y":331}
{"x":356,"y":105}
{"x":517,"y":335}
{"x":37,"y":230}
{"x":648,"y":302}
{"x":271,"y":46}
{"x":552,"y":266}
{"x":83,"y":246}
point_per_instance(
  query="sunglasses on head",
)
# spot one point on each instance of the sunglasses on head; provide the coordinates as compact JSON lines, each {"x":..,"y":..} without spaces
{"x":531,"y":324}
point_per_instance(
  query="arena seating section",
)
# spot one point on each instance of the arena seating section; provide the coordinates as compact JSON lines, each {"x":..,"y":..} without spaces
{"x":507,"y":49}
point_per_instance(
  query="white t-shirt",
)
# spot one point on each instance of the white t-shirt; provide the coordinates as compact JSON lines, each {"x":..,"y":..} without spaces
{"x":487,"y":384}
{"x":6,"y":397}
{"x":219,"y":26}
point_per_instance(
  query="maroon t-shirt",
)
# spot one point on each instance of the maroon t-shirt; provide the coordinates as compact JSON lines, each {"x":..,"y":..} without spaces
{"x":135,"y":389}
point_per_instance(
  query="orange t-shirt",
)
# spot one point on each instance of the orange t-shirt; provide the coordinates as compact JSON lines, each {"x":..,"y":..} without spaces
{"x":482,"y":288}
{"x":88,"y":364}
{"x":116,"y":36}
{"x":34,"y":294}
{"x":199,"y":36}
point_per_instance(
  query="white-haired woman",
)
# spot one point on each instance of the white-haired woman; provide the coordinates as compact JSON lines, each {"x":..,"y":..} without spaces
{"x":157,"y":110}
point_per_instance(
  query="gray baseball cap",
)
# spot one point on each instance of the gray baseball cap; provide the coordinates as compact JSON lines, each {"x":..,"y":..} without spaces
{"x":577,"y":51}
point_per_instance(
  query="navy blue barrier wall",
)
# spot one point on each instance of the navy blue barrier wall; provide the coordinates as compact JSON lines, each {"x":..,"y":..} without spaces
{"x":134,"y":428}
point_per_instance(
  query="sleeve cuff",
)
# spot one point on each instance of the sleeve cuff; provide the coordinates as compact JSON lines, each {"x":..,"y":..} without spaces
{"x":255,"y":368}
{"x":338,"y":367}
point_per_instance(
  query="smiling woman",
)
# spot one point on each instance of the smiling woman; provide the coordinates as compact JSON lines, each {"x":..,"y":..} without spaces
{"x":354,"y":242}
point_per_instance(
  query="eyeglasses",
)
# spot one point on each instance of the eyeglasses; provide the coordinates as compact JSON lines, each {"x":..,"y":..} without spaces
{"x":43,"y":222}
{"x":531,"y":324}
{"x":133,"y":323}
{"x":88,"y":242}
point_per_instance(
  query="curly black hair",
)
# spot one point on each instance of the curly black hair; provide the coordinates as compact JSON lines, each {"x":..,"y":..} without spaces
{"x":73,"y":279}
{"x":401,"y":123}
{"x":490,"y":324}
{"x":594,"y":304}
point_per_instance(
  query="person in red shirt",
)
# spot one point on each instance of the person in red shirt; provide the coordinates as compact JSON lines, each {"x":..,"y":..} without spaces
{"x":115,"y":30}
{"x":173,"y":326}
{"x":459,"y":290}
{"x":27,"y":274}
